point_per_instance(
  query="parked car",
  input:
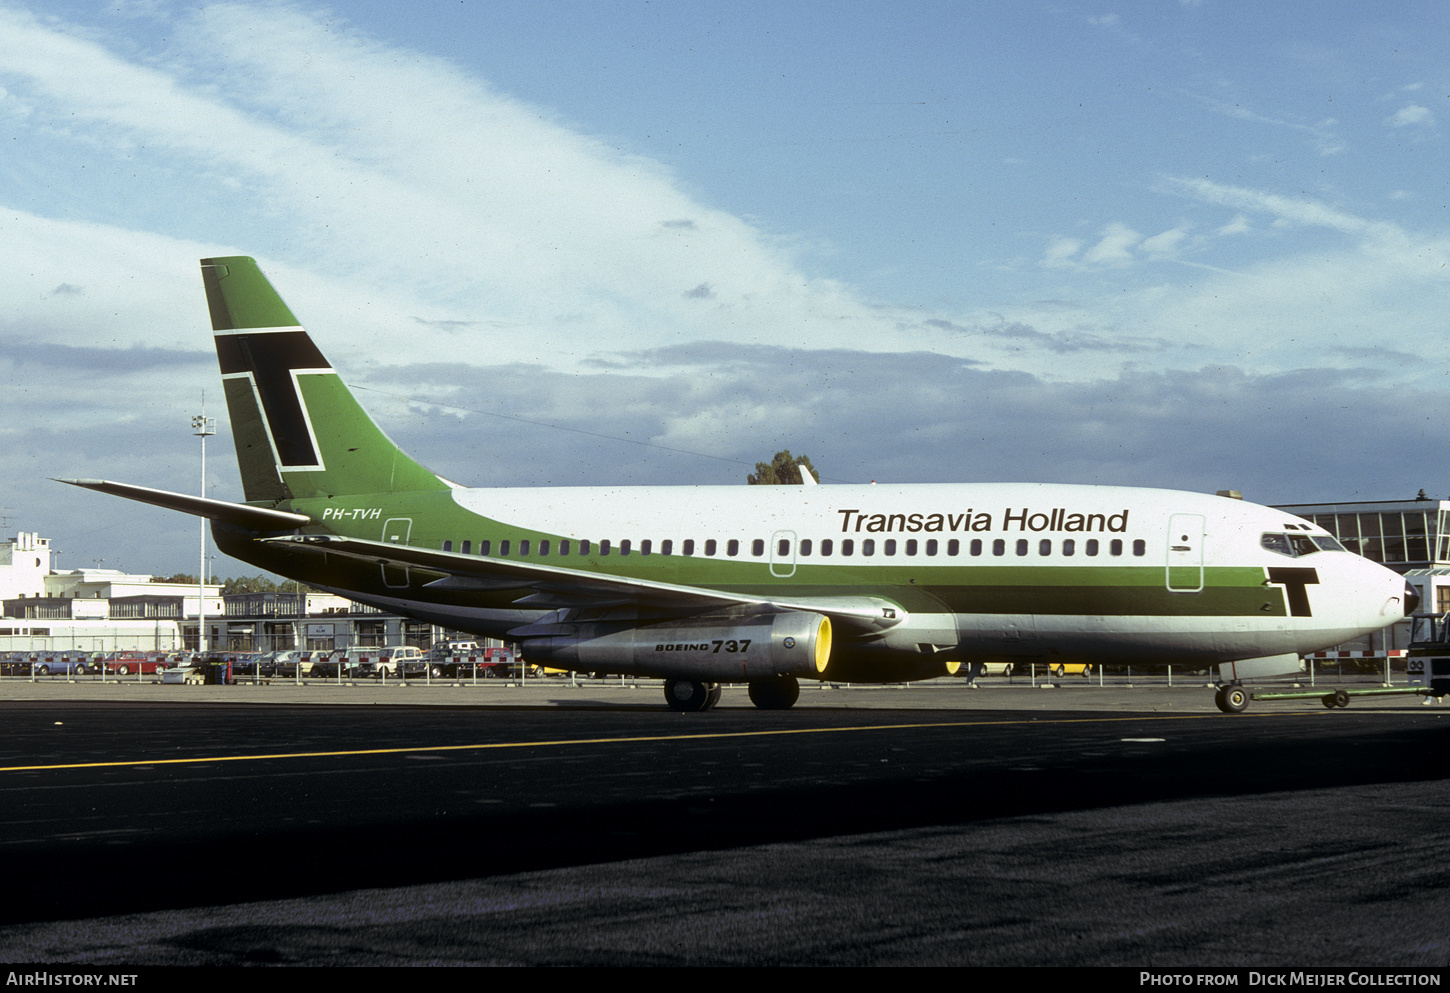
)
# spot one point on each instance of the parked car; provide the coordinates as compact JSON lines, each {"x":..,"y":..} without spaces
{"x":129,"y":663}
{"x":394,"y":661}
{"x":62,"y":663}
{"x":489,"y":662}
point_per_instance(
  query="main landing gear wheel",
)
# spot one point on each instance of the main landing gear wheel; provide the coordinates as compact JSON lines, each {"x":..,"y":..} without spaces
{"x":1232,"y":699}
{"x":778,"y":693}
{"x":688,"y":695}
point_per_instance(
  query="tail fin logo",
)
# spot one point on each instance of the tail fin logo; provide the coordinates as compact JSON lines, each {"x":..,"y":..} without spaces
{"x":271,"y":360}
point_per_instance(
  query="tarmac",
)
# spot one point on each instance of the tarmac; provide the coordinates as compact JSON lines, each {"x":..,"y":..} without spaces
{"x":1153,"y":694}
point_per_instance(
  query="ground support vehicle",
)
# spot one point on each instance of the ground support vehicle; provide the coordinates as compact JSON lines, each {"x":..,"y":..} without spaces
{"x":1427,"y":662}
{"x":1427,"y":667}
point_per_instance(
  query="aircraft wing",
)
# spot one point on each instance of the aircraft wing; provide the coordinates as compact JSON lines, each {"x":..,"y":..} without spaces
{"x":241,"y":514}
{"x":554,"y":586}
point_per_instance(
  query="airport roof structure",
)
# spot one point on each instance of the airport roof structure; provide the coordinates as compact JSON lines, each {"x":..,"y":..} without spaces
{"x":1409,"y":536}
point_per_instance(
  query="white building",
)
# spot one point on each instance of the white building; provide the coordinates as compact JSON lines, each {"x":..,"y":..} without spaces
{"x":24,"y":564}
{"x":92,"y":610}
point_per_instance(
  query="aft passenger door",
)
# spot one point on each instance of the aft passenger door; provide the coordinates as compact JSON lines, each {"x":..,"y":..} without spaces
{"x":395,"y":532}
{"x":1185,"y":553}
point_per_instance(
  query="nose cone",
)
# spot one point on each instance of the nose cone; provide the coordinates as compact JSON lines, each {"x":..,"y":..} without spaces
{"x":1412,"y":598}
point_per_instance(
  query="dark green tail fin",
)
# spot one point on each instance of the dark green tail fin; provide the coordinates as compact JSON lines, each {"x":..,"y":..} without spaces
{"x":299,"y":433}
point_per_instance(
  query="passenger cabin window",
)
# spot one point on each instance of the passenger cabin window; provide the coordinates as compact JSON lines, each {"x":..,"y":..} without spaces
{"x":848,"y":545}
{"x":523,"y":546}
{"x":644,"y":546}
{"x":1092,"y":546}
{"x":467,"y":546}
{"x":1068,"y":546}
{"x":826,"y":545}
{"x":805,"y":546}
{"x":757,"y":547}
{"x":1115,"y":547}
{"x":563,"y":546}
{"x":732,"y":547}
{"x":689,"y":546}
{"x":1022,"y":546}
{"x":868,"y":546}
{"x":448,"y":546}
{"x":1140,"y":547}
{"x":583,"y":546}
{"x":1044,"y":547}
{"x":503,"y":547}
{"x":624,"y":547}
{"x":931,"y":546}
{"x":889,"y":546}
{"x":710,"y":546}
{"x":485,"y":547}
{"x":604,"y":547}
{"x":543,"y":546}
{"x":782,"y":548}
{"x":999,"y":547}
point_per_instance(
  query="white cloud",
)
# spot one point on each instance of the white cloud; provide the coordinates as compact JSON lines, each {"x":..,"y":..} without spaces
{"x":1412,"y":115}
{"x":1061,"y":252}
{"x":1114,"y":248}
{"x":410,"y":189}
{"x":1282,"y":208}
{"x":1167,"y":243}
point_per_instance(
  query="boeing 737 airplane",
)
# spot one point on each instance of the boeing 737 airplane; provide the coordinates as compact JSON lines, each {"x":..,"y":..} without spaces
{"x":766,"y":585}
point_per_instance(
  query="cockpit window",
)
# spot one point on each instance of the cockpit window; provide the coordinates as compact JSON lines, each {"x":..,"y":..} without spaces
{"x":1277,"y":543}
{"x":1329,"y":544}
{"x":1298,"y":544}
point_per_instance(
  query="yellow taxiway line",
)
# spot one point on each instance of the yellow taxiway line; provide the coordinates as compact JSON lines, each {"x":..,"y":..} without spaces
{"x":635,"y":739}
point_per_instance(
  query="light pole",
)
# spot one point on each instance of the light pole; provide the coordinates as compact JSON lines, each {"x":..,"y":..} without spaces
{"x":201,"y":426}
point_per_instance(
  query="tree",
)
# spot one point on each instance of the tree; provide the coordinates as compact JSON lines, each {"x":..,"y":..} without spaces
{"x":180,"y":578}
{"x":248,"y":584}
{"x":784,"y":468}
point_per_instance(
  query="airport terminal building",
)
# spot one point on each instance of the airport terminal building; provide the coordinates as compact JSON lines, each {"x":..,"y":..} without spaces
{"x":103,"y":610}
{"x":1411,"y":537}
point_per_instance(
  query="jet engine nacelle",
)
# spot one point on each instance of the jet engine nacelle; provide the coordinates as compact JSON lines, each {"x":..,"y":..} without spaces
{"x":715,"y":649}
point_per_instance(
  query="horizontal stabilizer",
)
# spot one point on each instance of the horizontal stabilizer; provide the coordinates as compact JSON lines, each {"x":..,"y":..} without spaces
{"x":239,"y":514}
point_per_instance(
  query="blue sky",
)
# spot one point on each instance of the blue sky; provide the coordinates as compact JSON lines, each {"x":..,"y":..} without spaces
{"x":1186,"y":244}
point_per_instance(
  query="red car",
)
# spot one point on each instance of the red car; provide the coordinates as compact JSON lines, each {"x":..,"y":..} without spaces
{"x":127,"y":663}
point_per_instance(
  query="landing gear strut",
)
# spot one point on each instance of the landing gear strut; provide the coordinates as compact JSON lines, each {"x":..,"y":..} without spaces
{"x":1232,"y":699}
{"x":689,"y":695}
{"x":777,"y":693}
